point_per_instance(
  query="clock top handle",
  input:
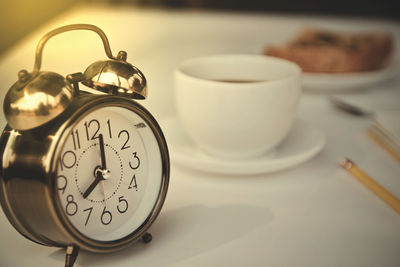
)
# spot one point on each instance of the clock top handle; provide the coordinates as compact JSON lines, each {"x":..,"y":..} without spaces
{"x":72,"y":27}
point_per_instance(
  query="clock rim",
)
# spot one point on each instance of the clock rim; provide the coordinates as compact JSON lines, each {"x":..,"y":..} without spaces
{"x":97,"y":102}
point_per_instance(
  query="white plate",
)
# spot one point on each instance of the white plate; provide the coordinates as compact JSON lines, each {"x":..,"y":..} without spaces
{"x":350,"y":81}
{"x":303,"y":142}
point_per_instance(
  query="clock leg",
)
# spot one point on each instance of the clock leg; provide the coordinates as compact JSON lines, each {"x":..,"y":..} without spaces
{"x":146,"y":238}
{"x":71,"y":255}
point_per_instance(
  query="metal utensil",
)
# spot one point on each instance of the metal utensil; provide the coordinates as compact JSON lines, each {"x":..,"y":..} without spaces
{"x":350,"y":108}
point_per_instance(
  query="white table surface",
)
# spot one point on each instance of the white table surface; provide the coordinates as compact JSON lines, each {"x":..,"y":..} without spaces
{"x":314,"y":214}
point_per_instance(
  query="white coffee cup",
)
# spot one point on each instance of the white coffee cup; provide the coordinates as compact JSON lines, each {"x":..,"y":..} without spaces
{"x":237,"y":106}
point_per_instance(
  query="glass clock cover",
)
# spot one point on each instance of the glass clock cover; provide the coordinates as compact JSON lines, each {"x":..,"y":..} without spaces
{"x":107,"y":204}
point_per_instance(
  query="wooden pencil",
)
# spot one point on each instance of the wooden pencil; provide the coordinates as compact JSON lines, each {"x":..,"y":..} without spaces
{"x":374,"y":186}
{"x":383,"y":144}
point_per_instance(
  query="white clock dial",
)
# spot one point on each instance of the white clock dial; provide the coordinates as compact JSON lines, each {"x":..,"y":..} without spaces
{"x":109,"y":173}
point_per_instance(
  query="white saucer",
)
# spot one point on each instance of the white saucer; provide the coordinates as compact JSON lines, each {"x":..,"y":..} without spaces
{"x":303,"y":142}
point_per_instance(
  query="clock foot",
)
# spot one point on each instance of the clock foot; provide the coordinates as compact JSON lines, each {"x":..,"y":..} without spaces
{"x":146,"y":238}
{"x":71,"y":255}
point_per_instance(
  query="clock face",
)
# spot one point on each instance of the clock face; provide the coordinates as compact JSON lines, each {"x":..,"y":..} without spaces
{"x":109,"y":173}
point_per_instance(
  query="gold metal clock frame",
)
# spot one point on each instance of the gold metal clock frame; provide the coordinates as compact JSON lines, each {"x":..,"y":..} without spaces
{"x":29,"y":155}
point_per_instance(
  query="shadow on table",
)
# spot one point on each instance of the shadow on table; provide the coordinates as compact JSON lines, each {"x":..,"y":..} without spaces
{"x":183,"y":233}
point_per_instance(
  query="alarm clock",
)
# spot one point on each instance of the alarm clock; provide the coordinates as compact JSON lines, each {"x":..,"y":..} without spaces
{"x":82,"y":169}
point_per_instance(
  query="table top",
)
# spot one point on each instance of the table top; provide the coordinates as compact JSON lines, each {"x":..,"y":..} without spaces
{"x":313,"y":214}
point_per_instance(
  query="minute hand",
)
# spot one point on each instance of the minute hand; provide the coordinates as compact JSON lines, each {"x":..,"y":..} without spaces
{"x":102,"y":153}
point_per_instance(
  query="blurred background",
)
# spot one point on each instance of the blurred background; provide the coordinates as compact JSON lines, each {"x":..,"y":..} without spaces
{"x":20,"y":17}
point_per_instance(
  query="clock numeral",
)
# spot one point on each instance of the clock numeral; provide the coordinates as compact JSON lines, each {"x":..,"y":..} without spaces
{"x":61,"y":183}
{"x":67,"y":160}
{"x":71,"y":208}
{"x":124,"y":205}
{"x":136,"y":165}
{"x":96,"y":124}
{"x":126,"y":133}
{"x":77,"y":143}
{"x":106,"y":217}
{"x":109,"y":128}
{"x":140,"y":125}
{"x":133,"y":180}
{"x":89,"y":213}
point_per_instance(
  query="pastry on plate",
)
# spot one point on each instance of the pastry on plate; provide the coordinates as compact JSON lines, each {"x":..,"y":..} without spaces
{"x":326,"y":51}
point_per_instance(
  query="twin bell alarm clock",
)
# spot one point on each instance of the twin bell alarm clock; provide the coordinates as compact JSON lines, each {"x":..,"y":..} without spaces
{"x":79,"y":169}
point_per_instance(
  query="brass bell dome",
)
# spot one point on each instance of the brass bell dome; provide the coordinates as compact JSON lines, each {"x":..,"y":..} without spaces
{"x":117,"y":77}
{"x":40,"y":96}
{"x":36,"y":99}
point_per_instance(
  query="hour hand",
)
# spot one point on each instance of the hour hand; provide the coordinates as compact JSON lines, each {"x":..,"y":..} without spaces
{"x":99,"y":177}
